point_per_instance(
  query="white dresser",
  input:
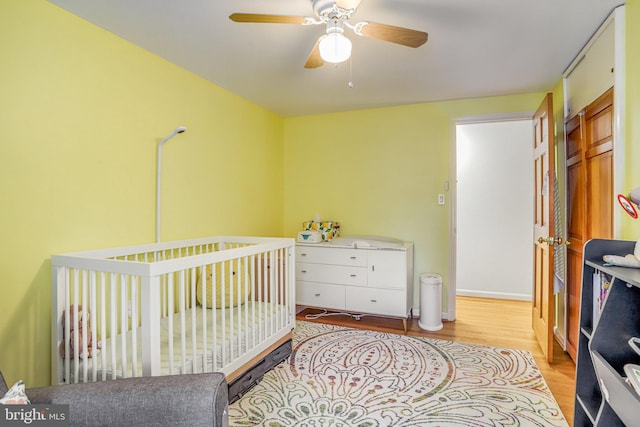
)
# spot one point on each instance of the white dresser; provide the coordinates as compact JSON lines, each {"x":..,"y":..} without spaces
{"x":361,"y":280}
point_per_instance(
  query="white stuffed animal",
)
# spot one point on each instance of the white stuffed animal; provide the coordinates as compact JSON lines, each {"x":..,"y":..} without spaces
{"x":630,"y":260}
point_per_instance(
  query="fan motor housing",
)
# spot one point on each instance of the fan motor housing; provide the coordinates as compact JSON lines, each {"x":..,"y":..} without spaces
{"x":328,"y":9}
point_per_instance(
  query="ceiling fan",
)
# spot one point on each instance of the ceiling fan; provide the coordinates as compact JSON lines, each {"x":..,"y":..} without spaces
{"x":333,"y":46}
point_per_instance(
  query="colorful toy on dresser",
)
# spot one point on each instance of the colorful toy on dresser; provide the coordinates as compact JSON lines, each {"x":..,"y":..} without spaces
{"x":327,"y":229}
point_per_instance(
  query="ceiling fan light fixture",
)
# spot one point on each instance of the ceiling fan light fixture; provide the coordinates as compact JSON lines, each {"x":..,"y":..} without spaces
{"x":334,"y":47}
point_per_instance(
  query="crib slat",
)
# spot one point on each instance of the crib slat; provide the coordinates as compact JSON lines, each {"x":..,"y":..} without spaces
{"x":223,"y":309}
{"x":75,"y":337}
{"x":103,"y":323}
{"x":67,"y":328}
{"x":170,"y":291}
{"x":261,"y":290}
{"x":113,"y":303}
{"x":231,"y":284}
{"x":194,"y":324}
{"x":272,"y":295}
{"x":92,"y":321}
{"x":150,"y":328}
{"x":280,"y":284}
{"x":214,"y":319}
{"x":132,"y":312}
{"x":181,"y":308}
{"x":204,"y":314}
{"x":250,"y":267}
{"x":82,"y":323}
{"x":123,"y":322}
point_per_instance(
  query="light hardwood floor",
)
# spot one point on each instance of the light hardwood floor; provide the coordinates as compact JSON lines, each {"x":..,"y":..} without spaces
{"x":494,"y":322}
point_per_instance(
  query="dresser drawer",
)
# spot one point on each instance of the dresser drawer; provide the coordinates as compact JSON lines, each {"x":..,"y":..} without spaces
{"x":338,"y":274}
{"x":331,"y":255}
{"x":379,"y":301}
{"x":320,"y":295}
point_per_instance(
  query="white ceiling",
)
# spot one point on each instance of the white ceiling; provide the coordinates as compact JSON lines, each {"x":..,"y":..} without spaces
{"x":476,"y":48}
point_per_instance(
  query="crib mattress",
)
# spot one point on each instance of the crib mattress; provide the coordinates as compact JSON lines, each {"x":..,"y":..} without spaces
{"x":234,"y":335}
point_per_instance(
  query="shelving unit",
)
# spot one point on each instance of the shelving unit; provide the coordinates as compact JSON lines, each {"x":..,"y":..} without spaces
{"x":603,"y":397}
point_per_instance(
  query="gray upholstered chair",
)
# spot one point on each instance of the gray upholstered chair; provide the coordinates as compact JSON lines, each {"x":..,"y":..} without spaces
{"x":175,"y":400}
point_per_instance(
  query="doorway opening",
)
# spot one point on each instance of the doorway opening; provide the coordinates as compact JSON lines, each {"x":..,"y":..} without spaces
{"x":492,"y":213}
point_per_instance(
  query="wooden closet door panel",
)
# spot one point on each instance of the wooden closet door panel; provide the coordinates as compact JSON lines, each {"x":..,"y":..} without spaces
{"x":599,"y":194}
{"x":573,"y":291}
{"x":600,"y":133}
{"x":576,"y":238}
{"x":599,"y":125}
{"x":575,"y":205}
{"x":599,"y":167}
{"x":573,"y":133}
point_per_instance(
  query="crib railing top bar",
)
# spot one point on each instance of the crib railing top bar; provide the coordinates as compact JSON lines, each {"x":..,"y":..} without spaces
{"x":100,"y":260}
{"x":169,"y":265}
{"x":124,"y":251}
{"x":103,"y":265}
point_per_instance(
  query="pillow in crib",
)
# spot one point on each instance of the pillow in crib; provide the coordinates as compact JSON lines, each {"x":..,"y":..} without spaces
{"x":16,"y":395}
{"x":224,"y":300}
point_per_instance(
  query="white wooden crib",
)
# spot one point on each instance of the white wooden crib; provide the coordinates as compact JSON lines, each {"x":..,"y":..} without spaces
{"x":202,"y":305}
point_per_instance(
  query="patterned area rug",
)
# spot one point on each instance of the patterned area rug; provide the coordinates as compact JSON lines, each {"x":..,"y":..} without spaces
{"x":340,"y":376}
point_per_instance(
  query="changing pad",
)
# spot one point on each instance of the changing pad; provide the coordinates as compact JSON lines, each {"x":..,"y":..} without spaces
{"x":368,"y":242}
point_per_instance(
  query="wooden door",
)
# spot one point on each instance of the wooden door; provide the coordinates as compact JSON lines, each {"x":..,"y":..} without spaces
{"x":544,"y":177}
{"x":589,"y":139}
{"x":576,"y":234}
{"x":599,"y":167}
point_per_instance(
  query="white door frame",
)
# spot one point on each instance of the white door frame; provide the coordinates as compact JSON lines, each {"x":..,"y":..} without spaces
{"x":452,"y":288}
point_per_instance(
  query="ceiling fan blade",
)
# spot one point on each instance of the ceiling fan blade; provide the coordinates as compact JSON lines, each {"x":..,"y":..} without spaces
{"x":314,"y":60}
{"x":267,"y":19}
{"x":348,"y":4}
{"x":389,"y":33}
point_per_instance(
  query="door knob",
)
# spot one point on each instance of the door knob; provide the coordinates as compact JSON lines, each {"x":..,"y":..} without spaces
{"x":550,"y":240}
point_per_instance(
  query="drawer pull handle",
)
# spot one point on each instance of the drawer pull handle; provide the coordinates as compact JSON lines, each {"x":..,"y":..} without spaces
{"x":373,"y":300}
{"x":317,"y":295}
{"x":303,"y":271}
{"x":303,"y":254}
{"x":354,"y":275}
{"x":354,"y":257}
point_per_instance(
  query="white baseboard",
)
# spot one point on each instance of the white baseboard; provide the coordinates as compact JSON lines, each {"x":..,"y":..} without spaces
{"x":496,"y":295}
{"x":560,"y":338}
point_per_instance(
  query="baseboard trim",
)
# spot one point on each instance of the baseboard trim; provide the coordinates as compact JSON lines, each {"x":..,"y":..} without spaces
{"x":496,"y":295}
{"x":560,"y":338}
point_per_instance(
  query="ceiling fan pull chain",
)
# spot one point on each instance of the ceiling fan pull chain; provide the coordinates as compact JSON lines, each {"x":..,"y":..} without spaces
{"x":350,"y":73}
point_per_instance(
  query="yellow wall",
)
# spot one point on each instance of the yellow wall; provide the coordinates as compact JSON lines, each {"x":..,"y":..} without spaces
{"x":379,"y":172}
{"x":631,"y":227}
{"x":82,"y":114}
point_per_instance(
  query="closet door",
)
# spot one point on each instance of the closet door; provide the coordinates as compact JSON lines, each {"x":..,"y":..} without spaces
{"x":575,"y":228}
{"x":589,"y":148}
{"x":599,"y":167}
